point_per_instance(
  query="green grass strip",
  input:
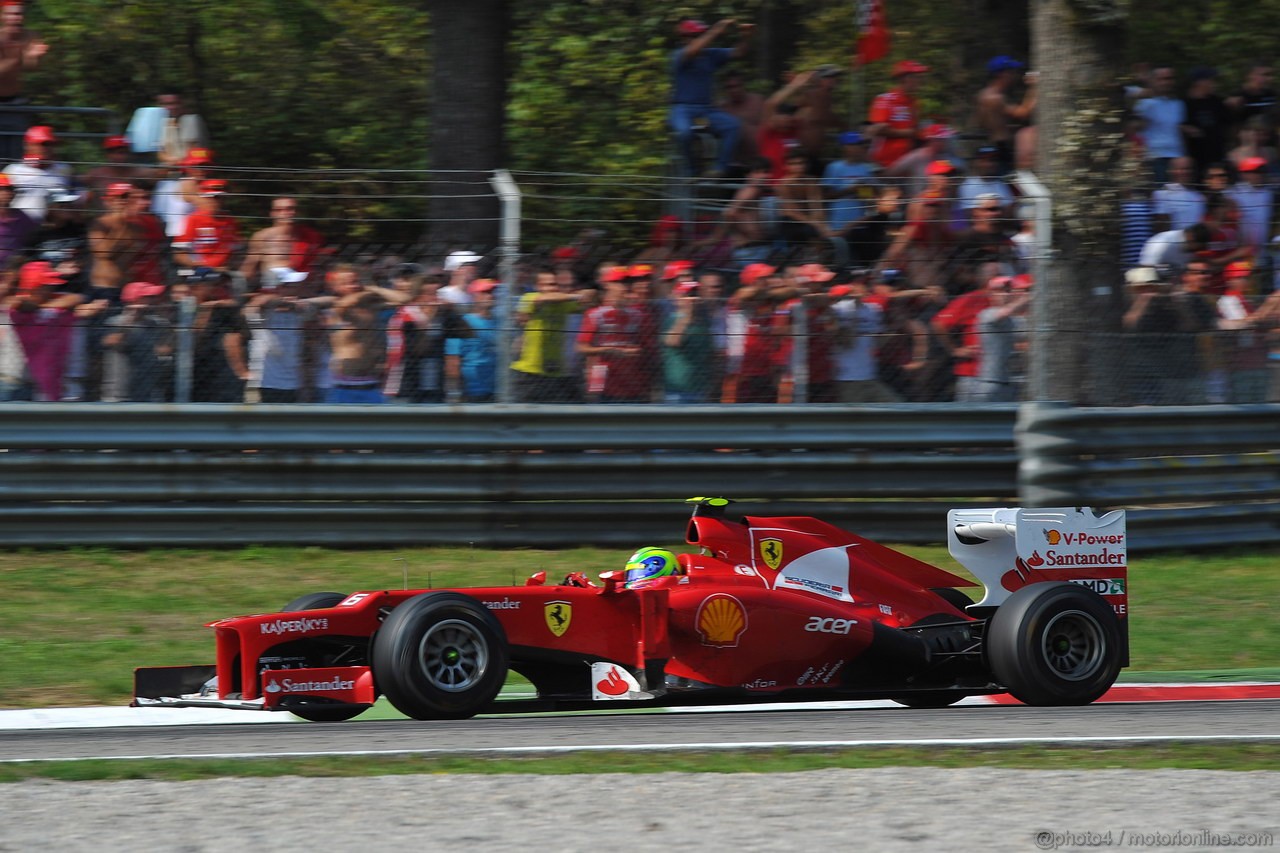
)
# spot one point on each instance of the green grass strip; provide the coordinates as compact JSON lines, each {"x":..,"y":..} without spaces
{"x":1186,"y":756}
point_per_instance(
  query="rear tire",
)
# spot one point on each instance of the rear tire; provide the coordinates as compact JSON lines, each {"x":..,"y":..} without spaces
{"x":440,"y":656}
{"x":1055,"y":644}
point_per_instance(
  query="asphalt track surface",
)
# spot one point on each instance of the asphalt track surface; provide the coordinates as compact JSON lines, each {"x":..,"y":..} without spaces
{"x":1140,"y":722}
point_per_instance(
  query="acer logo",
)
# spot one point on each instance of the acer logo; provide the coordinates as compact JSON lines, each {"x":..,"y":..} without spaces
{"x":819,"y":625}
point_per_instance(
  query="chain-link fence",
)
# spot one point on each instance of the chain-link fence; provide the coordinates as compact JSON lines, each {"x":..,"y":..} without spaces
{"x":308,"y":287}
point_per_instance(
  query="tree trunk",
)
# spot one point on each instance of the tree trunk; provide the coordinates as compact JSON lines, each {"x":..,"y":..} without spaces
{"x":468,"y":87}
{"x":1078,"y":47}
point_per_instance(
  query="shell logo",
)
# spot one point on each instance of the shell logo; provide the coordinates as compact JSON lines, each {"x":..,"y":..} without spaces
{"x":721,"y":620}
{"x":1053,"y":537}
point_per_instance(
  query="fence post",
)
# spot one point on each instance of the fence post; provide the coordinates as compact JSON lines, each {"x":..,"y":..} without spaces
{"x":184,"y":350}
{"x":509,"y":194}
{"x":1041,"y":261}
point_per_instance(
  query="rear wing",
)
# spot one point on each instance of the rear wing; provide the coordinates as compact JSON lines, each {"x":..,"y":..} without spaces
{"x":1008,"y":548}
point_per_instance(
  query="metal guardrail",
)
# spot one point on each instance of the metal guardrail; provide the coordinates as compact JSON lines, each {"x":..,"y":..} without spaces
{"x":489,"y":475}
{"x":209,"y":476}
{"x":1190,"y":476}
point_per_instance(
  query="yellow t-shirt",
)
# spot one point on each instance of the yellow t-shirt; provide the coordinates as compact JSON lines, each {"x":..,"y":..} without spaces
{"x":542,"y":352}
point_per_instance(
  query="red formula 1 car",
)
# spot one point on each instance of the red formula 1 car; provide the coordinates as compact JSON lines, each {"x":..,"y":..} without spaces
{"x":771,"y":609}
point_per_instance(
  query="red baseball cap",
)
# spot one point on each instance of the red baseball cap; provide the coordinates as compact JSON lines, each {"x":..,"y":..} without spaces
{"x":691,"y":27}
{"x":939,"y":167}
{"x":482,"y":285}
{"x":675,"y":269}
{"x":138,"y":290}
{"x":118,"y":189}
{"x":639,"y":271}
{"x":752,"y":273}
{"x":1253,"y":164}
{"x":213,"y":187}
{"x":112,"y":143}
{"x":41,"y":134}
{"x":37,"y":274}
{"x":909,"y":66}
{"x":1238,"y":269}
{"x":198,"y":157}
{"x":613,"y":274}
{"x":566,"y":253}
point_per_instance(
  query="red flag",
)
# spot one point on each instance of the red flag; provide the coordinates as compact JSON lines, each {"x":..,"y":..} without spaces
{"x":873,"y":33}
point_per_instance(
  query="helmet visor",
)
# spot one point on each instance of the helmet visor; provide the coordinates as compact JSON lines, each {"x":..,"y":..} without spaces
{"x":650,"y":567}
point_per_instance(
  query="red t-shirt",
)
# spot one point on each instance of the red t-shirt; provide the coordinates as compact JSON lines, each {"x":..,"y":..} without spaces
{"x":147,"y":265}
{"x":625,"y":376}
{"x":773,"y":147}
{"x":304,"y":248}
{"x":898,"y":110}
{"x":961,"y":315}
{"x":761,"y":350}
{"x":211,"y":238}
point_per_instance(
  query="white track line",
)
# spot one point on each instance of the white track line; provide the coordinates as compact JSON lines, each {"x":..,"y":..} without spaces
{"x":809,"y":745}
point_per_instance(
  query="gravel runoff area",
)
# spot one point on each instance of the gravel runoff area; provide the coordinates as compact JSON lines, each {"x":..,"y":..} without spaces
{"x":883,"y":809}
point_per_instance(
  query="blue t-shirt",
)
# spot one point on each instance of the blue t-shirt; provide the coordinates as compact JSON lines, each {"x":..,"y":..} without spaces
{"x":838,"y":175}
{"x":478,"y":355}
{"x":695,"y":78}
{"x":1163,"y":133}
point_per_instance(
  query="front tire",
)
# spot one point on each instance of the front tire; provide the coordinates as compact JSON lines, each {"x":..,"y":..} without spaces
{"x":314,"y":601}
{"x":317,"y":712}
{"x":1055,"y":644}
{"x":440,"y":656}
{"x":928,"y":698}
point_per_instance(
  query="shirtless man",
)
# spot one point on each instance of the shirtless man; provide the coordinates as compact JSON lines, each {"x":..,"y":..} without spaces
{"x":996,"y":115}
{"x":285,"y":244}
{"x":20,"y":50}
{"x":359,"y":348}
{"x":744,"y":217}
{"x":115,"y":240}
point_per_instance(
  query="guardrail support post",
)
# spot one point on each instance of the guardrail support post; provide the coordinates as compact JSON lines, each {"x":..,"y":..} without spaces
{"x":509,"y":194}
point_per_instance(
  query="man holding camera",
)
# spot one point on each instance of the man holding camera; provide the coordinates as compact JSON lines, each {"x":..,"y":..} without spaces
{"x":1166,"y":322}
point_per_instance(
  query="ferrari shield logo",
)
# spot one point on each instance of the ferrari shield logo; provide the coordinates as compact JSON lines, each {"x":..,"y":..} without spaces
{"x":771,"y":552}
{"x":558,"y":615}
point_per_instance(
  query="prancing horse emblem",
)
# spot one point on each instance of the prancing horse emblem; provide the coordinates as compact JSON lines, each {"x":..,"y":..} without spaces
{"x":558,"y":615}
{"x":771,"y":552}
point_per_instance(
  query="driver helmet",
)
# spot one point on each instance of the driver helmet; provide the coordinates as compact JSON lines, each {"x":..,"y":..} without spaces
{"x":649,"y":563}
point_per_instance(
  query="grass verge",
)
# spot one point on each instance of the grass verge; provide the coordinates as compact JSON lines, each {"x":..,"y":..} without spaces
{"x":1187,"y":756}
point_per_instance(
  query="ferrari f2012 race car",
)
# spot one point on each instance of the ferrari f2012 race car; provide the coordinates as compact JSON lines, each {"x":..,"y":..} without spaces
{"x":770,"y":609}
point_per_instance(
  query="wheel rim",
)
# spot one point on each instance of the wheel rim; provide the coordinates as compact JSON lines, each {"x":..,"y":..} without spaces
{"x":1074,"y":647}
{"x":454,"y":655}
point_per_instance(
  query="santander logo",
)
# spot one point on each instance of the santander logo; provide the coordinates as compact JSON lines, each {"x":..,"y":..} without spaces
{"x":612,"y":684}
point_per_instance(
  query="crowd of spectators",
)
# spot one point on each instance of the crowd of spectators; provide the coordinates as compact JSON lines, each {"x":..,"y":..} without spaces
{"x":872,"y":261}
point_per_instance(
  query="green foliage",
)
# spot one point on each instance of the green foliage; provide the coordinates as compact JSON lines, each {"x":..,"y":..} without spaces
{"x":344,"y":84}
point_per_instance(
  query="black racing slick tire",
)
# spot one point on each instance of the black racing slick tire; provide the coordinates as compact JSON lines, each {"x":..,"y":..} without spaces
{"x":314,"y":601}
{"x":1055,"y":644}
{"x":440,"y":656}
{"x":929,"y":698}
{"x":317,"y":712}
